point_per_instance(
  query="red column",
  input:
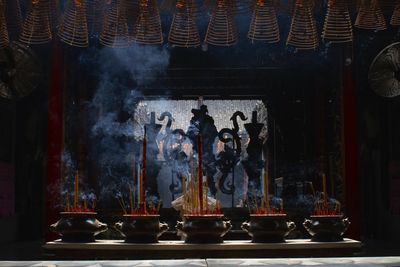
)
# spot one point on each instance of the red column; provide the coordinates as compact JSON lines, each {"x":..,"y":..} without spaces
{"x":351,"y":172}
{"x":54,"y":135}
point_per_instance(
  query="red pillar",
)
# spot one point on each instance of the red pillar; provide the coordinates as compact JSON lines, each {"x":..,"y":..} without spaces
{"x":351,"y":172}
{"x":54,"y":135}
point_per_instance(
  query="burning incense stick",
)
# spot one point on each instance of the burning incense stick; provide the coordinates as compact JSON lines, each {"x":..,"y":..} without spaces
{"x":76,"y":189}
{"x":200,"y":170}
{"x":183,"y":185}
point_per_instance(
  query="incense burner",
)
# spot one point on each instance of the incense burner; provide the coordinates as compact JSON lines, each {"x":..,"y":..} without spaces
{"x":78,"y":226}
{"x":203,"y":228}
{"x":326,"y":228}
{"x":268,"y":228}
{"x":141,"y":228}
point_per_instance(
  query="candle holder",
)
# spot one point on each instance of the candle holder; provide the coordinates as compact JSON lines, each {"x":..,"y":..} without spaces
{"x":200,"y":229}
{"x":326,"y":228}
{"x":78,"y":226}
{"x":268,"y":228}
{"x":141,"y":228}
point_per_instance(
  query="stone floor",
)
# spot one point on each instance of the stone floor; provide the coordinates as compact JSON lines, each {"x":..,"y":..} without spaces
{"x":359,"y":261}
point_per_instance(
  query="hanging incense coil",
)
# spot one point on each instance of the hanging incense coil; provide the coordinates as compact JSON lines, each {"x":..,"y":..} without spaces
{"x":73,"y":27}
{"x":370,"y":17}
{"x":13,"y":18}
{"x":183,"y":32}
{"x":222,"y":29}
{"x":264,"y":24}
{"x":303,"y":30}
{"x":395,"y":19}
{"x":148,"y":25}
{"x":36,"y":27}
{"x":95,"y":10}
{"x":115,"y":32}
{"x":4,"y":39}
{"x":337,"y":26}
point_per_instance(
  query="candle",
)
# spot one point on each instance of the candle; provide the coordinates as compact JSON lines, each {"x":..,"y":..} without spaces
{"x":76,"y":189}
{"x":200,"y":170}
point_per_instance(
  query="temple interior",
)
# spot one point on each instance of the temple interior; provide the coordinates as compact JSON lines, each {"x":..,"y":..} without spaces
{"x":199,"y":132}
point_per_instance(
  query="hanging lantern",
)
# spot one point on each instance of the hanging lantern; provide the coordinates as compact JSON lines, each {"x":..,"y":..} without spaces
{"x":148,"y":25}
{"x":222,"y":29}
{"x":13,"y":18}
{"x":183,"y":32}
{"x":370,"y":17}
{"x":115,"y":32}
{"x":264,"y":25}
{"x":73,"y":27}
{"x":303,"y":31}
{"x":395,"y":20}
{"x":36,"y":27}
{"x":4,"y":40}
{"x":337,"y":26}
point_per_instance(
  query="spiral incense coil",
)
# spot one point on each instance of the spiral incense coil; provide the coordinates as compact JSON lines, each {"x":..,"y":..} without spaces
{"x":183,"y":32}
{"x":222,"y":29}
{"x":13,"y":17}
{"x":370,"y":17}
{"x":36,"y":27}
{"x":4,"y":40}
{"x":395,"y":19}
{"x":303,"y":30}
{"x":148,"y":26}
{"x":264,"y":25}
{"x":95,"y":10}
{"x":337,"y":26}
{"x":115,"y":32}
{"x":73,"y":27}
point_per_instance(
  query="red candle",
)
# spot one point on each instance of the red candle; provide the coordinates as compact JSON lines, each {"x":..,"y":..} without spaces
{"x":200,"y":170}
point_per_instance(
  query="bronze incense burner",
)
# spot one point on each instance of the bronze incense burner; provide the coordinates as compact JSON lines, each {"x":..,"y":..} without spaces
{"x":268,"y":228}
{"x":78,"y":226}
{"x":326,"y":228}
{"x":141,"y":228}
{"x":203,"y":228}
